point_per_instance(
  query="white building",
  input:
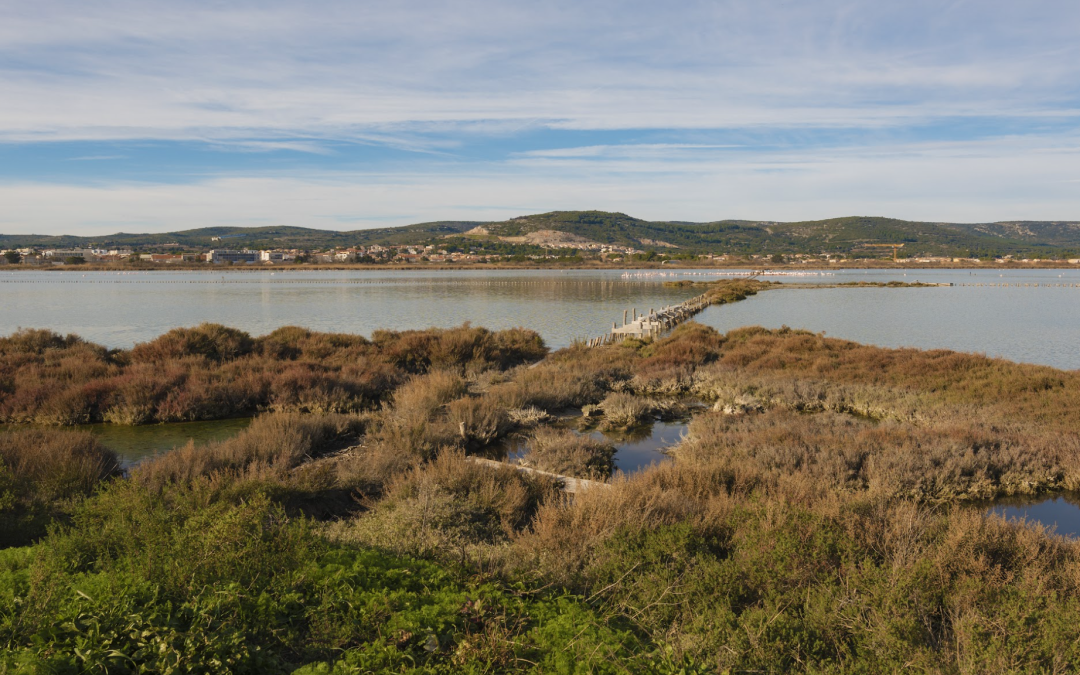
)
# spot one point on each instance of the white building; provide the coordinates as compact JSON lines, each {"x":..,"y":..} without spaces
{"x":86,"y":254}
{"x":218,"y":256}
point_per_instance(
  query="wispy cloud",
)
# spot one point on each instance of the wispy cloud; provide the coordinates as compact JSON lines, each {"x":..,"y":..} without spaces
{"x":95,"y":158}
{"x":117,"y":69}
{"x":969,"y":182}
{"x":628,"y":149}
{"x":309,"y":147}
{"x":624,"y":104}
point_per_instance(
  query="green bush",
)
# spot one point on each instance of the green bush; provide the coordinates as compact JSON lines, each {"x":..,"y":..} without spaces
{"x":144,"y":582}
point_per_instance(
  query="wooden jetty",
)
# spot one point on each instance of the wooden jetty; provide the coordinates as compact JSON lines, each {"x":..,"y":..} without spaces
{"x":653,"y":324}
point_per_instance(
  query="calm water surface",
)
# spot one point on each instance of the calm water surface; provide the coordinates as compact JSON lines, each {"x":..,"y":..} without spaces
{"x":635,"y":449}
{"x":1036,"y":325}
{"x":1027,"y":324}
{"x":1061,"y":512}
{"x":133,"y":444}
{"x":119,"y":310}
{"x":641,"y":448}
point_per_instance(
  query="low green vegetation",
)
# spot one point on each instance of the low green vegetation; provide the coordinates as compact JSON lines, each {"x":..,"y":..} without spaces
{"x":174,"y":582}
{"x":818,"y":517}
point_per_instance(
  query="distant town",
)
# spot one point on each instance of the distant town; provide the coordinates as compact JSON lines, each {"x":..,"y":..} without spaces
{"x":373,"y":254}
{"x":377,"y":254}
{"x":571,"y":238}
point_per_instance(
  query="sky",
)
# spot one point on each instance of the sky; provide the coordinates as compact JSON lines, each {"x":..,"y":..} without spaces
{"x":148,"y":116}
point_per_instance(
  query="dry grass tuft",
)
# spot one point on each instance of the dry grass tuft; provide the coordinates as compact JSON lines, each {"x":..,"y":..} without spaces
{"x":622,"y":411}
{"x":480,"y":420}
{"x":566,"y":453}
{"x":43,"y":474}
{"x":447,"y":506}
{"x":267,"y":450}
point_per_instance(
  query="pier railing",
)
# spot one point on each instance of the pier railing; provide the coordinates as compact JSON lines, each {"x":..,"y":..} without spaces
{"x":653,"y":324}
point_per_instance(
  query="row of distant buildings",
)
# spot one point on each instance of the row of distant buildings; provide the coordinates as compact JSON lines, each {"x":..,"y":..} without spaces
{"x":219,"y":256}
{"x":395,"y":253}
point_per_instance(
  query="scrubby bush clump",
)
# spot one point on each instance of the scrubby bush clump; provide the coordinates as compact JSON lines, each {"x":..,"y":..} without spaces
{"x":213,"y":371}
{"x":567,"y":453}
{"x":43,"y":473}
{"x":450,"y":504}
{"x":622,"y":411}
{"x":209,"y":341}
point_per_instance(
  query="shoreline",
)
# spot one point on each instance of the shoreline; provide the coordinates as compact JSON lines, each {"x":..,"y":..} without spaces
{"x":308,"y":267}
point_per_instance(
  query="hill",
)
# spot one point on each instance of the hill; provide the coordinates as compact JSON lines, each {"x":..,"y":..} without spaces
{"x":244,"y":237}
{"x":835,"y":235}
{"x":589,"y":229}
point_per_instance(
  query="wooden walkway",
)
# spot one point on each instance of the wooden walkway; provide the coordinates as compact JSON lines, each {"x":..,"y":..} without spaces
{"x":569,"y":484}
{"x":653,"y":324}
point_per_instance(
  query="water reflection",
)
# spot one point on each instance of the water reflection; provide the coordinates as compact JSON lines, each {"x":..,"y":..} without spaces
{"x":635,"y":449}
{"x":1061,"y":512}
{"x":1021,"y":323}
{"x":134,"y":444}
{"x":120,"y":310}
{"x":641,"y":447}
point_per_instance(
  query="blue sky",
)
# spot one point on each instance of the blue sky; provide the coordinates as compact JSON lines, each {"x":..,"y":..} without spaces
{"x":153,"y":116}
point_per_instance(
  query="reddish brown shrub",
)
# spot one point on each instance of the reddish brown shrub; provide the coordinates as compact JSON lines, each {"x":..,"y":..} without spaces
{"x":209,"y":340}
{"x":212,"y":371}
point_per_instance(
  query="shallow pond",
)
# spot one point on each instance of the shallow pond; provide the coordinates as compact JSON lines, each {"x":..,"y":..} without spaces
{"x":1061,"y":512}
{"x":133,"y":444}
{"x":635,"y":449}
{"x":640,"y":448}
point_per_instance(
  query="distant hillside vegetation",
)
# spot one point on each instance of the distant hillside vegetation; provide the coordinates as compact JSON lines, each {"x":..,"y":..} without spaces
{"x":279,"y":236}
{"x":835,"y":235}
{"x":846,"y":236}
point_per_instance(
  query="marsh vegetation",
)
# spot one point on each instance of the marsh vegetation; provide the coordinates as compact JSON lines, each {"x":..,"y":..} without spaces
{"x":814,"y":519}
{"x":212,"y":372}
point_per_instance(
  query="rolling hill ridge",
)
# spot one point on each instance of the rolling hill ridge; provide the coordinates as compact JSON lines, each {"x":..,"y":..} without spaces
{"x":566,"y":229}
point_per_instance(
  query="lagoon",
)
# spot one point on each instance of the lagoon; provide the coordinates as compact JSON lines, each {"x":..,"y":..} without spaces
{"x":1025,"y":323}
{"x":1028,"y":324}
